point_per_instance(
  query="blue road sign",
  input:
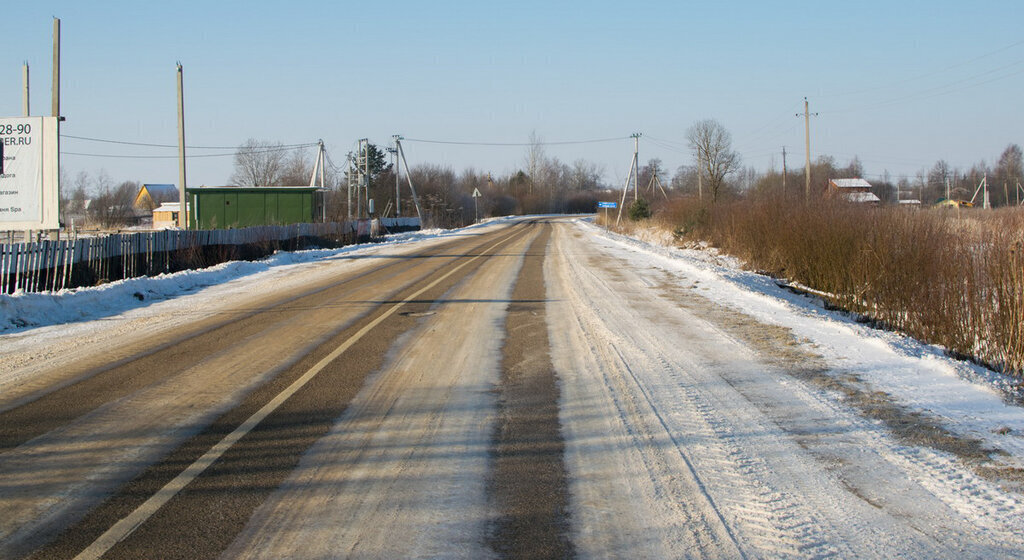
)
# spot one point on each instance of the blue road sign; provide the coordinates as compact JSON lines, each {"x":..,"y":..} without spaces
{"x":607,"y":204}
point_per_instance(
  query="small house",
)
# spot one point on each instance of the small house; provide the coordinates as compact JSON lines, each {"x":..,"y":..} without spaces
{"x":166,"y":215}
{"x":151,"y":196}
{"x":854,"y":190}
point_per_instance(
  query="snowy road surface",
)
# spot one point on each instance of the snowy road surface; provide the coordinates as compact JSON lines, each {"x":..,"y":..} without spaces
{"x":528,"y":388}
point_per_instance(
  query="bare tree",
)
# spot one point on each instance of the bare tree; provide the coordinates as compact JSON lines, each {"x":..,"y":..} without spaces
{"x":296,"y":170}
{"x":259,"y":164}
{"x":535,"y":159}
{"x":114,"y":206}
{"x":586,"y":175}
{"x":712,"y":146}
{"x":1008,"y":171}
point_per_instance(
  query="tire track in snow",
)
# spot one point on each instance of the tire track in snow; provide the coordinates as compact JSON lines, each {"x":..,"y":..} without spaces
{"x":688,"y":458}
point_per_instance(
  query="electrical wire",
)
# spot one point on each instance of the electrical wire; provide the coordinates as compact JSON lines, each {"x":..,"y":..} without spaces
{"x":231,"y":154}
{"x":940,"y":90}
{"x":459,"y":143}
{"x":929,"y":74}
{"x":126,"y":143}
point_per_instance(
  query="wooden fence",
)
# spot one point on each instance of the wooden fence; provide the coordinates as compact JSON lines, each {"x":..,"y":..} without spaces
{"x":55,"y":265}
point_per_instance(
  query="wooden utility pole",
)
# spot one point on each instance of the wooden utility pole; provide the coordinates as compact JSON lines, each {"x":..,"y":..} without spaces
{"x":183,"y":208}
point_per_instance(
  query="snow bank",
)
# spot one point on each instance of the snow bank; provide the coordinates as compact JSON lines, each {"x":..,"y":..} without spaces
{"x":965,"y":398}
{"x":22,"y":311}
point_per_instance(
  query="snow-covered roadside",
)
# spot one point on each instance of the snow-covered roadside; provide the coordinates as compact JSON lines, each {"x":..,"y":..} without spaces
{"x":24,"y":311}
{"x":43,"y":332}
{"x":966,"y":399}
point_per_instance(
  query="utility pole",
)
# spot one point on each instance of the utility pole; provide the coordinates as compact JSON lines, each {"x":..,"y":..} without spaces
{"x":56,"y":71}
{"x":807,"y":140}
{"x":362,"y":174}
{"x":24,"y":104}
{"x":366,"y":176}
{"x":636,"y":166}
{"x":398,"y":179}
{"x":633,"y":166}
{"x":784,"y":172}
{"x":56,"y":99}
{"x":350,"y":177}
{"x":408,"y":177}
{"x":183,"y":209}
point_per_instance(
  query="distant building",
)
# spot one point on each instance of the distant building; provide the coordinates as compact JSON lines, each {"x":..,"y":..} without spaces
{"x":165,"y":216}
{"x":238,"y":207}
{"x":853,"y":190}
{"x":151,"y":196}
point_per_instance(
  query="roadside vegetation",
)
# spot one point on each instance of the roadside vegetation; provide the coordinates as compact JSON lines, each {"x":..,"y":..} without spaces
{"x":952,"y":277}
{"x":949,"y":276}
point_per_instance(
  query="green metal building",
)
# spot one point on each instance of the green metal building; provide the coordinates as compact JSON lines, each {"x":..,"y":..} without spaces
{"x":238,"y":207}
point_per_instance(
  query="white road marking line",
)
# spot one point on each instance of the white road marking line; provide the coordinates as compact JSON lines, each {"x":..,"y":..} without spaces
{"x":120,"y":530}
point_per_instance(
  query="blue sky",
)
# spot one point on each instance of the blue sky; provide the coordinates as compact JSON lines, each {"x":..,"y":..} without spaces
{"x":899,"y":84}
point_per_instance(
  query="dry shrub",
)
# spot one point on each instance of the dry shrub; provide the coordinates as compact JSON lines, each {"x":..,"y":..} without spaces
{"x":953,"y":278}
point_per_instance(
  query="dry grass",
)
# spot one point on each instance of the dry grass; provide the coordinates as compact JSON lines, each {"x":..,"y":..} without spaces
{"x":948,"y":277}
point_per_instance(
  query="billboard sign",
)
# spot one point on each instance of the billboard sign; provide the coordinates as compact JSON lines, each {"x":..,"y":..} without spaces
{"x":29,"y":196}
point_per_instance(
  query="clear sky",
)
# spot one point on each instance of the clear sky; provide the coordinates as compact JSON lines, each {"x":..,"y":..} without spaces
{"x":900,"y":84}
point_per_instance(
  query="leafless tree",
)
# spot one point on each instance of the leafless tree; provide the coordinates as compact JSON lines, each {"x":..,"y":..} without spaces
{"x":535,"y":159}
{"x":259,"y":164}
{"x":114,"y":206}
{"x":712,"y":147}
{"x":586,"y":175}
{"x":1009,"y":170}
{"x":296,"y":170}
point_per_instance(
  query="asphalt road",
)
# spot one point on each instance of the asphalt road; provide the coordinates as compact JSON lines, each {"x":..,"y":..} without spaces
{"x":256,"y":388}
{"x":528,"y":389}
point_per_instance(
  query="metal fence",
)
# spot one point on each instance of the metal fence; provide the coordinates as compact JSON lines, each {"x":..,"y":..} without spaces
{"x":55,"y":265}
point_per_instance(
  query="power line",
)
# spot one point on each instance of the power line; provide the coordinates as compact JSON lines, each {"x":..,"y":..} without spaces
{"x":929,"y":74}
{"x":231,"y":154}
{"x":460,"y":143}
{"x":175,"y":146}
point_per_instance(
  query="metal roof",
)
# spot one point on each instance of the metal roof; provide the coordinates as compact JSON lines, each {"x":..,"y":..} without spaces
{"x":851,"y":183}
{"x":163,"y":191}
{"x":861,"y":197}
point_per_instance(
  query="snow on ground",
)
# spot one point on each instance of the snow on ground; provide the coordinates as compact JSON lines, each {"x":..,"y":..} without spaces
{"x":23,"y":311}
{"x":966,"y":399}
{"x":42,"y":331}
{"x":760,"y":490}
